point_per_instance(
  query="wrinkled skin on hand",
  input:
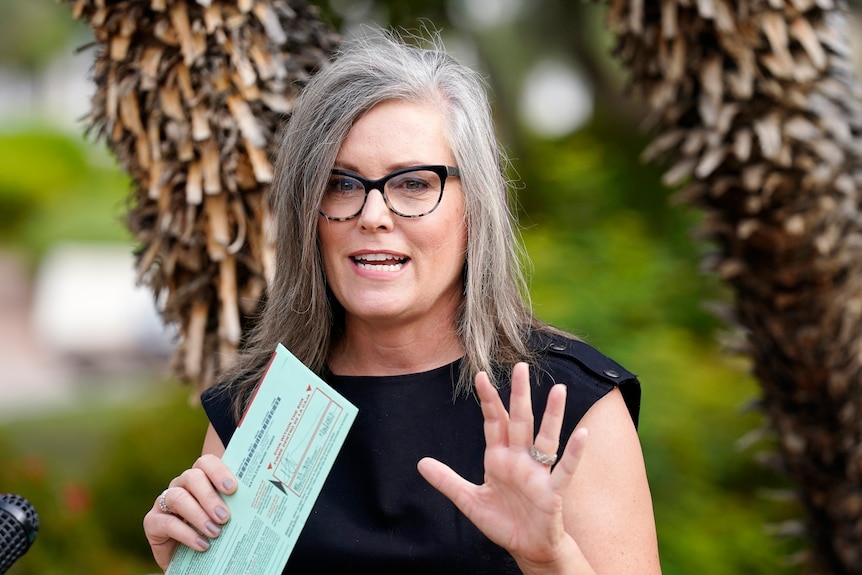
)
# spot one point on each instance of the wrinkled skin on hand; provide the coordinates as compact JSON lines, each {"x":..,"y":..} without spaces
{"x":520,"y":504}
{"x":197,"y":512}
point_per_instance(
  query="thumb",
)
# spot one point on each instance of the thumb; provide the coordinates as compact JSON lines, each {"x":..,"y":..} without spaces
{"x":445,"y":480}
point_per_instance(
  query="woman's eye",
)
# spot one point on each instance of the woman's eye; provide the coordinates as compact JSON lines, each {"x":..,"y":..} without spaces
{"x":412,"y":184}
{"x":342,"y":185}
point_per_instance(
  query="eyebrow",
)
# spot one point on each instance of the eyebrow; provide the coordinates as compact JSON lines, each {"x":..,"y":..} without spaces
{"x":351,"y":168}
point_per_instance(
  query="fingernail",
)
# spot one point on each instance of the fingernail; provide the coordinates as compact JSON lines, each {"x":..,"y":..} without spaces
{"x":213,"y":529}
{"x":227,"y":484}
{"x":221,"y":513}
{"x":203,"y":544}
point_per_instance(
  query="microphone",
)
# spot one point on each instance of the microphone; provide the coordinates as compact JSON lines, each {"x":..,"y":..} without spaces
{"x":19,"y":524}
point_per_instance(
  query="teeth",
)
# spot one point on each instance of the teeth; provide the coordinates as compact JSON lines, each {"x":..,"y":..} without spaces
{"x":363,"y":261}
{"x":381,"y":268}
{"x":378,"y":258}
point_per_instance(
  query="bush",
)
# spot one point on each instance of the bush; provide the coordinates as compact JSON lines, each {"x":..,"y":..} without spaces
{"x":92,"y":474}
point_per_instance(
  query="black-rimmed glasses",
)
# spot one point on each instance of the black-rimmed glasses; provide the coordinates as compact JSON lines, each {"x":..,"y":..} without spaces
{"x":410,"y":192}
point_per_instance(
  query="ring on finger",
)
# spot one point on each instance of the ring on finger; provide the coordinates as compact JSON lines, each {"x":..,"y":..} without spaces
{"x":542,"y":457}
{"x":163,"y":505}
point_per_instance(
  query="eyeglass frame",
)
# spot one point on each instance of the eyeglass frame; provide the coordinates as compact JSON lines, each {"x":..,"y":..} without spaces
{"x":442,"y":171}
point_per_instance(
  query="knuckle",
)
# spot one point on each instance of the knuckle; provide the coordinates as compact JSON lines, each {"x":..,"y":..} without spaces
{"x":191,"y":475}
{"x":201,"y":462}
{"x":181,"y":499}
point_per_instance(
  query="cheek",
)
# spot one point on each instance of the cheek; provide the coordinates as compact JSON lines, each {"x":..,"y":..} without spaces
{"x":460,"y":225}
{"x":326,"y":242}
{"x":460,"y":235}
{"x":450,"y":243}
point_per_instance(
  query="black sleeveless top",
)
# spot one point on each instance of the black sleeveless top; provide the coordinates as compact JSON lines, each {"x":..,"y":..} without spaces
{"x":375,"y":512}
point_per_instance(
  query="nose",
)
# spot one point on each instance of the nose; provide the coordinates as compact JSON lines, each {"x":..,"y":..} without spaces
{"x":375,"y":213}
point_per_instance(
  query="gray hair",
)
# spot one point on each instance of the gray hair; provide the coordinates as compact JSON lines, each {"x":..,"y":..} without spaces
{"x":495,"y":318}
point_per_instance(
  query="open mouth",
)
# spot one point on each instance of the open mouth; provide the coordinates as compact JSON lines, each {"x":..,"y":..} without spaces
{"x":380,"y":262}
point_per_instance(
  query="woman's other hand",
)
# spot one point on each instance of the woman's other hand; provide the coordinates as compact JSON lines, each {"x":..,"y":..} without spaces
{"x":190,"y":510}
{"x":520,"y":504}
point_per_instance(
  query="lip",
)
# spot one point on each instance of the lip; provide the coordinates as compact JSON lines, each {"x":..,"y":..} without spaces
{"x":360,"y":253}
{"x":378,"y":261}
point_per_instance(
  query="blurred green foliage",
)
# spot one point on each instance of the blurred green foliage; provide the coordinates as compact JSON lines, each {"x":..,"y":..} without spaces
{"x":33,"y":31}
{"x":91,"y":473}
{"x":613,"y":262}
{"x":56,"y":186}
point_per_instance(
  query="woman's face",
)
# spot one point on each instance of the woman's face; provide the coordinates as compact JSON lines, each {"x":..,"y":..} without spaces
{"x":383,"y":268}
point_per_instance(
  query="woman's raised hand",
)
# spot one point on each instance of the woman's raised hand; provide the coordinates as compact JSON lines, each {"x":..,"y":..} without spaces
{"x":520,"y":504}
{"x":190,"y":510}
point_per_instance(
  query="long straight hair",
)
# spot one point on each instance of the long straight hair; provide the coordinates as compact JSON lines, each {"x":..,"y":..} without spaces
{"x":494,"y":319}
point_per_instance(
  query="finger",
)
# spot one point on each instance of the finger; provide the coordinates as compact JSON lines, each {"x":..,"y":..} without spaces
{"x":162,"y":546}
{"x":218,"y":472}
{"x":193,"y":495}
{"x":494,"y":413}
{"x":566,"y":467}
{"x":187,"y":506}
{"x":521,"y":428}
{"x":548,"y":438}
{"x":164,"y":531}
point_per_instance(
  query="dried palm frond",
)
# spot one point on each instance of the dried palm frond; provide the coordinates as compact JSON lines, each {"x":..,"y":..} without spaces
{"x":758,"y":115}
{"x":190,"y":96}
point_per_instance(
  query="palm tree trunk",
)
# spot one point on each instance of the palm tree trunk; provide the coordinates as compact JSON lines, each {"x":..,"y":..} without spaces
{"x":190,"y":96}
{"x":757,"y":113}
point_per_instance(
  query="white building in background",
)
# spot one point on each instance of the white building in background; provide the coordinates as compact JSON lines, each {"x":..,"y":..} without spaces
{"x":82,"y":316}
{"x":80,"y":330}
{"x":88,"y":308}
{"x":57,"y":96}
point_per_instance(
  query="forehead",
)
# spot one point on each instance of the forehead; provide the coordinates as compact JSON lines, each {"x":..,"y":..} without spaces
{"x":394,"y":134}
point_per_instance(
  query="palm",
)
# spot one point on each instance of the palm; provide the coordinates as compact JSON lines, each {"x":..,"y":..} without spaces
{"x":519,"y":505}
{"x":516,"y":506}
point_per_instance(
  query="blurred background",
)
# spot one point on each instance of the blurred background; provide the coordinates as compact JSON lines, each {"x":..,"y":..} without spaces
{"x":92,"y":426}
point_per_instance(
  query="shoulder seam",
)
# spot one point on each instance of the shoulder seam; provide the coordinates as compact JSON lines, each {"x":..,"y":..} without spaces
{"x":598,"y":365}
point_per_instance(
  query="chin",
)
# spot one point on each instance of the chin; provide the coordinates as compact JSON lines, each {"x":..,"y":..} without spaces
{"x":376,"y":310}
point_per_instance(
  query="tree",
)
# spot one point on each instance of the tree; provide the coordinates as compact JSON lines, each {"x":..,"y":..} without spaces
{"x":190,"y":96}
{"x":757,"y":111}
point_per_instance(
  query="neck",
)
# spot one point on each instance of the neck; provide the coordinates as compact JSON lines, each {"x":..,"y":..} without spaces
{"x":372,"y":349}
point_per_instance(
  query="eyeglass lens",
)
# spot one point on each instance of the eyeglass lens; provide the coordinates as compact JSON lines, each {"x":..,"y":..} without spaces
{"x":411,"y":192}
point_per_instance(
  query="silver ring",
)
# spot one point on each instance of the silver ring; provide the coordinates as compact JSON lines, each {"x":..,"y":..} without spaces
{"x":542,"y":458}
{"x":163,"y":505}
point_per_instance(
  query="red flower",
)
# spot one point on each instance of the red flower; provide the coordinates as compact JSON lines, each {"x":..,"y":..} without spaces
{"x":77,"y":498}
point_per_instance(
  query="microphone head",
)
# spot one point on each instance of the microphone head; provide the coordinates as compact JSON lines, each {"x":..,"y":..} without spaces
{"x":19,"y":524}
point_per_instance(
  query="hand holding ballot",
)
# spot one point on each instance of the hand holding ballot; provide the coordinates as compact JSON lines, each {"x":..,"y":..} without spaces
{"x":270,"y":473}
{"x":191,"y":506}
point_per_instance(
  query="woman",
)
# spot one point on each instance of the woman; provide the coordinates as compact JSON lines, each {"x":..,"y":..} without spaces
{"x":399,"y":283}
